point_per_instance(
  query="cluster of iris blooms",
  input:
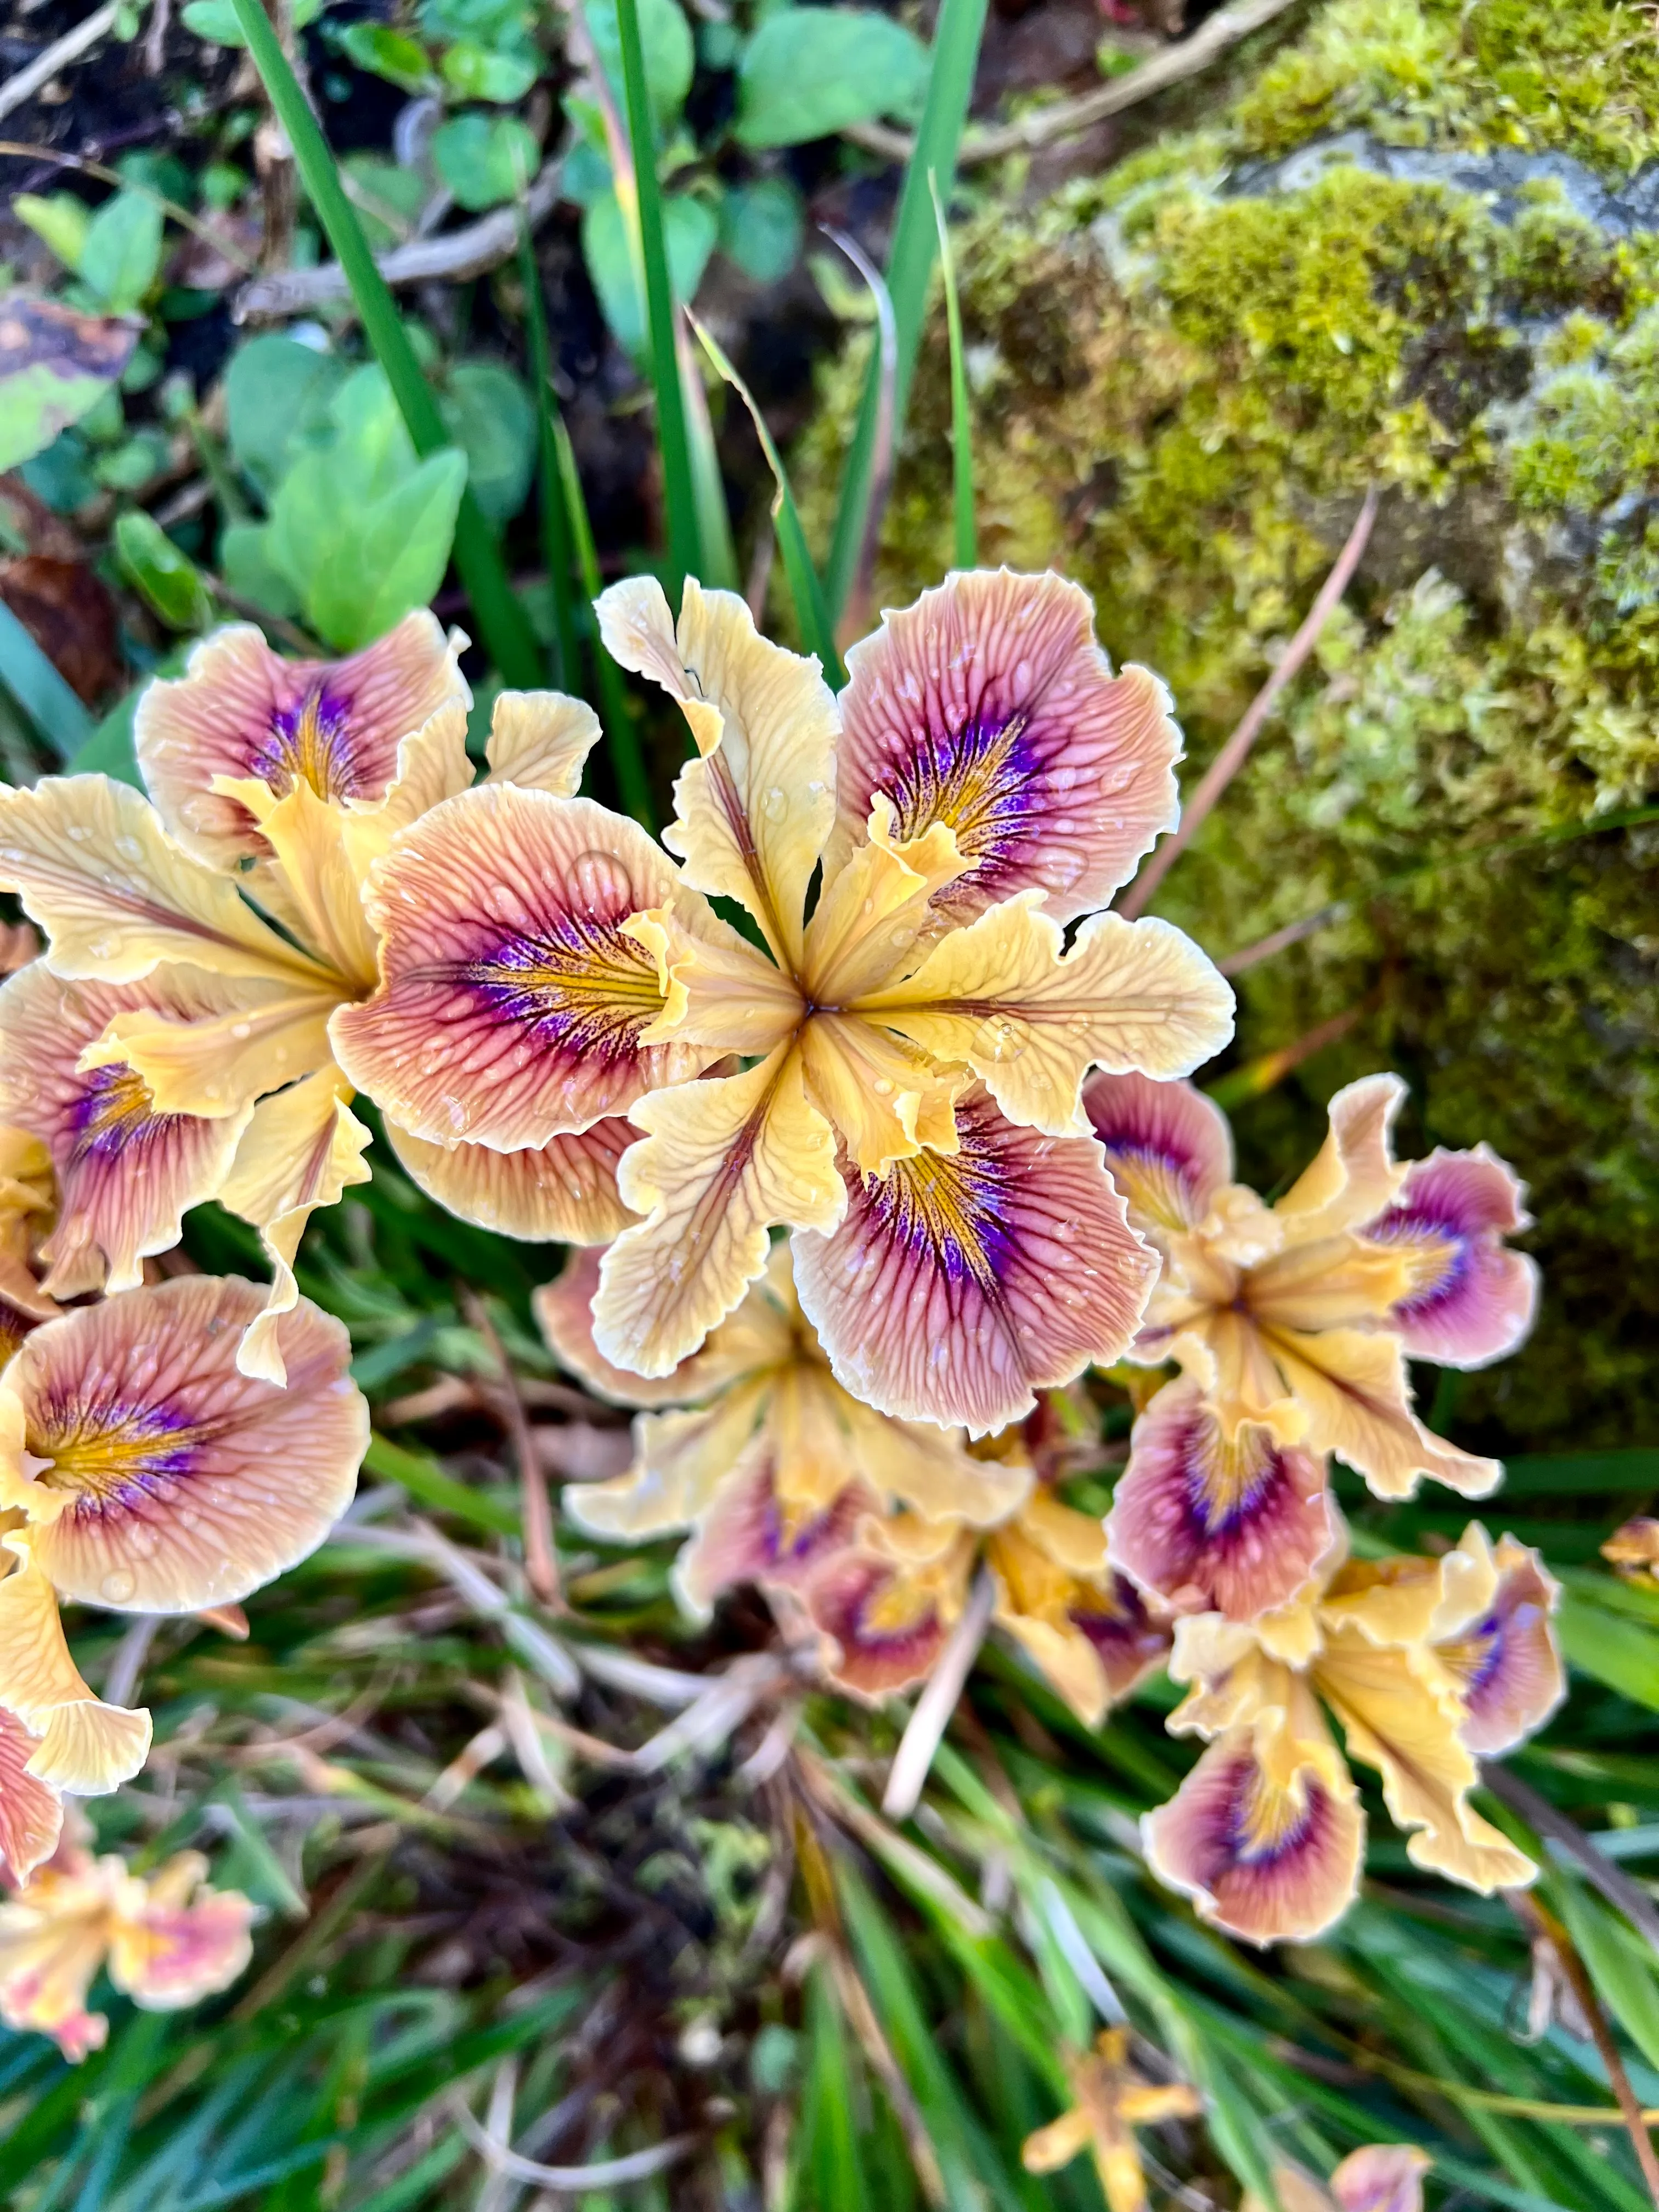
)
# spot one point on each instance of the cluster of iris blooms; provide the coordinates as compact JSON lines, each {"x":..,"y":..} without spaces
{"x":871,"y":996}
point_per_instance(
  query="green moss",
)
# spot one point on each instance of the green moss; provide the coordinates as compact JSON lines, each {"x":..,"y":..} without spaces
{"x":1185,"y":377}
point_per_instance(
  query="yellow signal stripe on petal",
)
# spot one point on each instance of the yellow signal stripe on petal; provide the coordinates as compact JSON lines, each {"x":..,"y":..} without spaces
{"x":1030,"y":1017}
{"x":217,"y":1065}
{"x":115,"y":896}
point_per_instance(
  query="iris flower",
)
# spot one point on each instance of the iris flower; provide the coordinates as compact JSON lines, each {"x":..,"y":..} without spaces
{"x":911,"y":1051}
{"x":168,"y":1942}
{"x":1427,"y":1664}
{"x":1293,"y":1322}
{"x":1112,"y":2100}
{"x":173,"y":1044}
{"x":887,"y":1599}
{"x":754,"y":1447}
{"x":28,"y":1205}
{"x":140,"y":1470}
{"x":1381,"y":2178}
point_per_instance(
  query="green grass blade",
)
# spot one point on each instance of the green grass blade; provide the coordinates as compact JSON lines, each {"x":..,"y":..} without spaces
{"x":812,"y":611}
{"x":961,"y":425}
{"x":719,"y":554}
{"x":62,"y":722}
{"x":427,"y":1482}
{"x":833,"y":2174}
{"x":679,"y":489}
{"x":621,"y":738}
{"x":503,"y":628}
{"x":555,"y":526}
{"x":909,"y":265}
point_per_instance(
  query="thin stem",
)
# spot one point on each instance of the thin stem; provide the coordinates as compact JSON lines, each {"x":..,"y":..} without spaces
{"x":505,"y":633}
{"x":856,"y":614}
{"x":1625,"y":1895}
{"x":1259,"y":1076}
{"x":934,"y":1707}
{"x":679,"y":492}
{"x":1233,"y":754}
{"x":541,"y":1560}
{"x":621,"y":738}
{"x":909,"y":265}
{"x":554,"y":525}
{"x":962,"y":426}
{"x":1544,"y":1924}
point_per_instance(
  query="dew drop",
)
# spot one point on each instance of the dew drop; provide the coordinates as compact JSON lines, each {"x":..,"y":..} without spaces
{"x":117,"y":1586}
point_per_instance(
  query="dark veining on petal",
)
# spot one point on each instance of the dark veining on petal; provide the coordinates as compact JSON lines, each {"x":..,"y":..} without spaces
{"x":311,"y":741}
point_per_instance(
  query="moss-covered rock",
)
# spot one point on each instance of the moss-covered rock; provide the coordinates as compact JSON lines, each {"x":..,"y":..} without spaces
{"x":1419,"y":250}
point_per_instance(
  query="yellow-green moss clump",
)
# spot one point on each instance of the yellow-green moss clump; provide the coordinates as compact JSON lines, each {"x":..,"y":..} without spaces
{"x":1417,"y":251}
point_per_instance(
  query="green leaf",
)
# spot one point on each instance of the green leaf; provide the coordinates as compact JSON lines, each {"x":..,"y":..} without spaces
{"x":477,"y":73}
{"x":811,"y":70}
{"x":109,"y":750}
{"x":34,"y":683}
{"x":394,"y":55}
{"x":248,"y":566}
{"x":168,"y":581}
{"x":278,"y":393}
{"x":360,"y":528}
{"x":492,"y":419}
{"x":61,"y":223}
{"x":485,"y":159}
{"x":689,"y":229}
{"x":122,"y":252}
{"x":216,"y":19}
{"x":1620,"y":1652}
{"x":55,"y":366}
{"x":932,"y":166}
{"x":761,"y":227}
{"x":670,"y":60}
{"x":1621,"y":1965}
{"x":388,"y":197}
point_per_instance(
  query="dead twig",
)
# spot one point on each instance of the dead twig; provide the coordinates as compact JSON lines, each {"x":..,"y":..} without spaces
{"x":59,"y":54}
{"x":602,"y":2173}
{"x":1065,"y":118}
{"x":541,"y":1561}
{"x":451,"y":258}
{"x":1625,"y":1895}
{"x":1541,"y":1923}
{"x":1280,"y":940}
{"x":1233,"y":754}
{"x":934,"y":1707}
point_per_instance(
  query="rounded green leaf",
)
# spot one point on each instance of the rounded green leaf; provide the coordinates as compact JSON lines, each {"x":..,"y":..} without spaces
{"x":809,"y":71}
{"x":167,"y":579}
{"x":665,"y":38}
{"x":485,"y":159}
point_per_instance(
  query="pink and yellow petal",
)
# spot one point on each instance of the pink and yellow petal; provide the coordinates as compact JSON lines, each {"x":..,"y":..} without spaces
{"x":928,"y":1468}
{"x":1505,"y":1662}
{"x":175,"y":1482}
{"x":988,"y":706}
{"x":31,"y":1811}
{"x":885,"y":1621}
{"x":718,"y":991}
{"x":1354,"y":1174}
{"x":1354,"y":1391}
{"x":320,"y":877}
{"x":1332,"y":1282}
{"x":757,"y":1339}
{"x":754,"y":809}
{"x":241,"y":711}
{"x":115,"y":895}
{"x":52,"y":1946}
{"x":1269,"y":1856}
{"x":1168,"y":1147}
{"x":512,"y":999}
{"x":171,"y":1950}
{"x":216,"y":1061}
{"x":887,"y":1098}
{"x":563,"y":1192}
{"x":81,"y":1745}
{"x":1237,"y":1525}
{"x":1031,"y":1015}
{"x":875,"y":910}
{"x":1399,"y":1718}
{"x":719,"y":1163}
{"x":303,"y":1148}
{"x":540,"y":740}
{"x":125,"y":1173}
{"x":959,"y":1284}
{"x":681,"y":1461}
{"x":750,"y":1534}
{"x":1381,"y":2178}
{"x":1470,"y":1300}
